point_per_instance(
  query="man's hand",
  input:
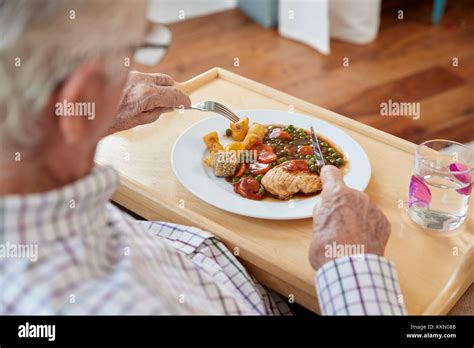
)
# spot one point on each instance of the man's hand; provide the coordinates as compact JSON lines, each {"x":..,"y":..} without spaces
{"x":146,"y":97}
{"x":345,"y":217}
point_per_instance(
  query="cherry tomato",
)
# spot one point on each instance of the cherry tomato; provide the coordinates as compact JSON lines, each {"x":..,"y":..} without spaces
{"x":305,"y":150}
{"x":259,"y":168}
{"x":296,"y":166}
{"x":284,"y":135}
{"x":267,"y":157}
{"x":263,"y":147}
{"x":248,"y":188}
{"x":265,"y":153}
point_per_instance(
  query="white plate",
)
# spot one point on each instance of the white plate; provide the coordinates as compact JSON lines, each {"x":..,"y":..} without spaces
{"x":190,"y":150}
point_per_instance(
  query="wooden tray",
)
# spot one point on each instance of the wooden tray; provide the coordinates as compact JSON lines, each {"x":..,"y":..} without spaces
{"x":434,"y":269}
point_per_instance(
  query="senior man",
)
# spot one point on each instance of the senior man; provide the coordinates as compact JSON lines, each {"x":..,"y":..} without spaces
{"x":93,"y":258}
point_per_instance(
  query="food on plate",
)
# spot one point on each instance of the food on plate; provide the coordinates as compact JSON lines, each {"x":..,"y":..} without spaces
{"x":249,"y":188}
{"x":251,"y":140}
{"x":239,"y":129}
{"x":224,"y":165}
{"x":291,"y":177}
{"x":212,"y":141}
{"x":258,"y":129}
{"x":236,"y":146}
{"x":269,"y":160}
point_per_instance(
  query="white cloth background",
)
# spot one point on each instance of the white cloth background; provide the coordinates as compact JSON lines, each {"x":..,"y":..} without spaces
{"x":314,"y":22}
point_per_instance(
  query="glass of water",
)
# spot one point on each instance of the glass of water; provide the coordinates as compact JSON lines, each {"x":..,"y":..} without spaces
{"x":441,"y":184}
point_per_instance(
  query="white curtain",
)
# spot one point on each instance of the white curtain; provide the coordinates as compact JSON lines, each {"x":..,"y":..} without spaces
{"x":314,"y":22}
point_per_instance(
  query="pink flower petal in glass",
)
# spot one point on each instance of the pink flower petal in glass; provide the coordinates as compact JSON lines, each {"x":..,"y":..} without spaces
{"x":465,"y":178}
{"x":420,"y":193}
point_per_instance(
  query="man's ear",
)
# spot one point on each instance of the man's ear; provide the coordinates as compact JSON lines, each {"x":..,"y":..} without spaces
{"x":74,"y":103}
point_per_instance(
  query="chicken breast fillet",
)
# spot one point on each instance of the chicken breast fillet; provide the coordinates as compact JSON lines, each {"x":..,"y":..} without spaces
{"x":283,"y":182}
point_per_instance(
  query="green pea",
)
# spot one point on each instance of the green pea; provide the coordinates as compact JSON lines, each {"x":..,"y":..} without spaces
{"x":331,"y":149}
{"x":292,"y":142}
{"x":261,"y":191}
{"x":308,"y":156}
{"x":235,"y":180}
{"x":339,"y":161}
{"x":323,"y":144}
{"x":335,"y":154}
{"x":259,"y":177}
{"x":332,"y":161}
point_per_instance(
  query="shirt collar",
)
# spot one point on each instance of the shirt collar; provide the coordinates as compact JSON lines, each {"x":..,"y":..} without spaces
{"x":59,"y":213}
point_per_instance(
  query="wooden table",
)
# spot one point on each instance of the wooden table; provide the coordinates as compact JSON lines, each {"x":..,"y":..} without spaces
{"x":434,"y":269}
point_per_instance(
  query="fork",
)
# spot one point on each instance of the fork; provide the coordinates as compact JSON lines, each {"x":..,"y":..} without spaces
{"x":217,"y":108}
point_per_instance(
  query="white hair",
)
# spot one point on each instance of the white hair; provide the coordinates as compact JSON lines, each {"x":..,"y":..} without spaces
{"x":42,"y":41}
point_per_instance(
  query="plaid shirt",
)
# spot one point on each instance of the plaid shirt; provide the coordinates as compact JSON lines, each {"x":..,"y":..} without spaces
{"x":69,"y":251}
{"x":359,"y":285}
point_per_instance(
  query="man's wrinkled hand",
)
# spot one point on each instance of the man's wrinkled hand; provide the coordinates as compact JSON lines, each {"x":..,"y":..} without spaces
{"x":145,"y":98}
{"x":346,"y":218}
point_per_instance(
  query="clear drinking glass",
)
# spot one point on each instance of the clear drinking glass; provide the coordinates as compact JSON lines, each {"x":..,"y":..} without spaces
{"x":441,"y":184}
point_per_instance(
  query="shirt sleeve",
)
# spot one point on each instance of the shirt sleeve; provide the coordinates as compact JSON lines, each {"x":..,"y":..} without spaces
{"x":359,"y":285}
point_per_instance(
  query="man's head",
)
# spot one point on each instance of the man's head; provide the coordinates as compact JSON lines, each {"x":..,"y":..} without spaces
{"x":63,"y":65}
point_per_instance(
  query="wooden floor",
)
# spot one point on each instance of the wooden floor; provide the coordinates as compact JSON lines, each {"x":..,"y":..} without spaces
{"x":410,"y":61}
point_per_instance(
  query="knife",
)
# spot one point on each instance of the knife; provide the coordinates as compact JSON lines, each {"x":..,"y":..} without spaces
{"x":316,"y":149}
